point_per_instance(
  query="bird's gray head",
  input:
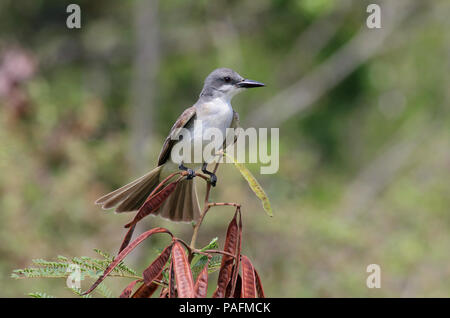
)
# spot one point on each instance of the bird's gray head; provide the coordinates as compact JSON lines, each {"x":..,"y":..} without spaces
{"x":225,"y":83}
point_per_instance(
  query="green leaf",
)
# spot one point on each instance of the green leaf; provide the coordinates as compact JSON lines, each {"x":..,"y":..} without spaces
{"x":104,"y":290}
{"x":78,"y":292}
{"x":199,"y":261}
{"x":88,"y":266}
{"x":214,"y":263}
{"x":211,"y":245}
{"x":40,"y":295}
{"x":254,"y":185}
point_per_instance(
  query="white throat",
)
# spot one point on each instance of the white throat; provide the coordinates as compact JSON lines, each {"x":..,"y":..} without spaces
{"x":228,"y":92}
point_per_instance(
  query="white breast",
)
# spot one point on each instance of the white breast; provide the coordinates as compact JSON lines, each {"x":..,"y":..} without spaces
{"x":216,"y":113}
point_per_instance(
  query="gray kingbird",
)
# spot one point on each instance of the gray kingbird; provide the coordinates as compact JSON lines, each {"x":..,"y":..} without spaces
{"x":213,"y":110}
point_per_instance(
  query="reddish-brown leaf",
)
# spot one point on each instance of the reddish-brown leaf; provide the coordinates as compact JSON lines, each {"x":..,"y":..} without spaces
{"x":237,"y":291}
{"x":238,"y":254}
{"x":259,"y":288}
{"x":153,"y":203}
{"x":157,"y":266}
{"x":230,"y":283}
{"x":127,"y":238}
{"x":127,"y":291}
{"x":201,"y":285}
{"x":146,"y":291}
{"x":227,"y":261}
{"x":171,"y":291}
{"x":248,"y":278}
{"x":183,"y":274}
{"x":237,"y":285}
{"x":124,"y":253}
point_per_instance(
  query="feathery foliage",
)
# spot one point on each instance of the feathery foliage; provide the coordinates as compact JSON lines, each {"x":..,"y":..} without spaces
{"x":40,"y":295}
{"x":62,"y":268}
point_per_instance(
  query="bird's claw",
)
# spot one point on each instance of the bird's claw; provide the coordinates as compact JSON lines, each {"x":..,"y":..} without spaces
{"x":212,"y":176}
{"x":191,"y":174}
{"x":213,"y":180}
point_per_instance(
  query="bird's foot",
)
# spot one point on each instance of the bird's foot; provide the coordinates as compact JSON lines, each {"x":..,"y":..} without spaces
{"x":213,"y":179}
{"x":212,"y":176}
{"x":191,"y":173}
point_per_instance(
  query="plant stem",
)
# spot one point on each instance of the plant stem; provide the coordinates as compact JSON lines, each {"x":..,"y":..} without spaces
{"x":206,"y":208}
{"x":224,"y":204}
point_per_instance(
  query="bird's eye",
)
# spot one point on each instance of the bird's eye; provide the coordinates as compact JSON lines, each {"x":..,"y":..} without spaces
{"x":227,"y":79}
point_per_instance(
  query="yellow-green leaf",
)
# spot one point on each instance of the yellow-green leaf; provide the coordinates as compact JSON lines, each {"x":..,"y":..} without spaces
{"x":254,"y":185}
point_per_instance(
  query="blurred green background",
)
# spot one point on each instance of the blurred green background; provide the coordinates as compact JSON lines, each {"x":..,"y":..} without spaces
{"x":364,"y":135}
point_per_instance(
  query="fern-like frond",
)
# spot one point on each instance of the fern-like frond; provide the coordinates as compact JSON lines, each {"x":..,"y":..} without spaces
{"x":78,"y":292}
{"x":63,"y":267}
{"x":104,"y":291}
{"x":40,"y":295}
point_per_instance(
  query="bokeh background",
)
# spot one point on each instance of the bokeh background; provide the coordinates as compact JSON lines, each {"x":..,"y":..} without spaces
{"x":364,"y":135}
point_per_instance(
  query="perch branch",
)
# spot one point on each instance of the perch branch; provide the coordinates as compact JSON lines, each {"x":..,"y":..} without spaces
{"x":206,"y":207}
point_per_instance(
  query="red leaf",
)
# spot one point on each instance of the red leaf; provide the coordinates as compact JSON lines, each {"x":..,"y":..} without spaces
{"x":230,"y":283}
{"x":237,"y":285}
{"x":153,"y":203}
{"x":259,"y":287}
{"x":127,"y":238}
{"x":201,"y":285}
{"x":124,"y":253}
{"x":238,"y":255}
{"x":156,"y":268}
{"x":237,"y":291}
{"x":171,"y":291}
{"x":127,"y":291}
{"x":227,"y":261}
{"x":146,"y":291}
{"x":183,"y":274}
{"x":248,"y":278}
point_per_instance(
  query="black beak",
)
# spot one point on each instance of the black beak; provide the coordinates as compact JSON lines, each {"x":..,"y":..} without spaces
{"x":247,"y":83}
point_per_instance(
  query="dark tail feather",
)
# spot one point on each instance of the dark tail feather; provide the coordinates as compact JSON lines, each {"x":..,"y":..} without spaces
{"x":182,"y":205}
{"x":130,"y":197}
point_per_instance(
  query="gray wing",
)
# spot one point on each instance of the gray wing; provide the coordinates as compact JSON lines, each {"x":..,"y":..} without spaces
{"x":185,"y":118}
